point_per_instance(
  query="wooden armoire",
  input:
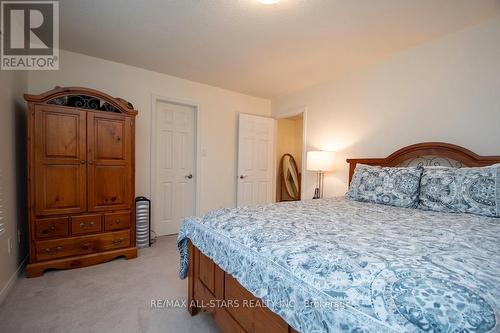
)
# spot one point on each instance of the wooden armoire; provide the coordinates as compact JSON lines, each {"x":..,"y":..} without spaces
{"x":81,"y":179}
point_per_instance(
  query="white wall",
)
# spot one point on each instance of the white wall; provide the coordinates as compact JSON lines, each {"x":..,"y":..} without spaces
{"x":218,"y":116}
{"x":288,"y":141}
{"x":446,"y":90}
{"x":12,"y":176}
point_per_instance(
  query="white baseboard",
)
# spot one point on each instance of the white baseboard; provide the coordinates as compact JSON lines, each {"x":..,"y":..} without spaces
{"x":12,"y":281}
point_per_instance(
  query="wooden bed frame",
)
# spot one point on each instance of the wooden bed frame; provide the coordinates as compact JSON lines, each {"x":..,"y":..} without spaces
{"x":213,"y":290}
{"x":445,"y":150}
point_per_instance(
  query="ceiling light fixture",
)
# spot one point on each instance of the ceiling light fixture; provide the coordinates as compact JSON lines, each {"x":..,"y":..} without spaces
{"x":269,"y":2}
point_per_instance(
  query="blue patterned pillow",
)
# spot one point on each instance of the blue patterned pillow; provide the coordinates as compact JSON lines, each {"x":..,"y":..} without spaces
{"x":389,"y":186}
{"x":465,"y":190}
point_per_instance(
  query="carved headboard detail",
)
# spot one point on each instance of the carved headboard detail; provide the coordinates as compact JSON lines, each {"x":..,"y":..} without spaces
{"x":431,"y":160}
{"x":426,"y":154}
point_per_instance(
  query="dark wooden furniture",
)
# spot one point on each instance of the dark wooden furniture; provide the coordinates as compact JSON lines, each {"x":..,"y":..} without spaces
{"x":217,"y":292}
{"x":210,"y":285}
{"x":80,"y":179}
{"x":441,"y":149}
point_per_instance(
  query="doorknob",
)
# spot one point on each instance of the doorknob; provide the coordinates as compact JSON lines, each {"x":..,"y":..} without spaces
{"x":189,"y":176}
{"x":243,"y":176}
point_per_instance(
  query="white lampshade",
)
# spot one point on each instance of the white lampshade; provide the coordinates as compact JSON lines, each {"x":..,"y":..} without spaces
{"x":320,"y":160}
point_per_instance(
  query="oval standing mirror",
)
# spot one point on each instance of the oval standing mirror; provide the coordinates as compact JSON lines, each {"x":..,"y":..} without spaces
{"x":290,"y":176}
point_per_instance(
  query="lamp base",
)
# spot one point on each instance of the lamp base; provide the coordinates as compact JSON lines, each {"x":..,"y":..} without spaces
{"x":316,"y":193}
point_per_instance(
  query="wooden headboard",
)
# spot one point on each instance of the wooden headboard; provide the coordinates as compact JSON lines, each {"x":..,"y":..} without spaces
{"x":427,"y":153}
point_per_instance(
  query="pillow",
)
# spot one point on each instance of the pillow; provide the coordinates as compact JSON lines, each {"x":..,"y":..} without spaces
{"x":389,"y":186}
{"x":464,"y":190}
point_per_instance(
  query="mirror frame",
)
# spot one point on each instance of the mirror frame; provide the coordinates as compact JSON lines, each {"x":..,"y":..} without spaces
{"x":283,"y":180}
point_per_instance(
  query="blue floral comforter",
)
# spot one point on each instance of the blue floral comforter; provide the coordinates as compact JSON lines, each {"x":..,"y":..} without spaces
{"x":337,"y":265}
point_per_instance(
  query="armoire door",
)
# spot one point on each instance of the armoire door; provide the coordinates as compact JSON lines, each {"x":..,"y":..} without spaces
{"x":60,"y":160}
{"x":109,"y":161}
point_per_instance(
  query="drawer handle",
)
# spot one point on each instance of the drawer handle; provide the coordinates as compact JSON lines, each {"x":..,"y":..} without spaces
{"x":84,"y":225}
{"x":50,"y":229}
{"x":53,"y":250}
{"x":117,"y":241}
{"x":85,"y":246}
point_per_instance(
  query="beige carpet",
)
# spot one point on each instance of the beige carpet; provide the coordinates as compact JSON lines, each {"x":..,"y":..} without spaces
{"x":111,"y":297}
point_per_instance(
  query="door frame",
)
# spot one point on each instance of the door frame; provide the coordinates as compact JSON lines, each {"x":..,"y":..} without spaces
{"x":197,"y":150}
{"x":287,"y":114}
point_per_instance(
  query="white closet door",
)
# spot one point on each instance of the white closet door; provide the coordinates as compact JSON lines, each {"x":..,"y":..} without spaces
{"x":255,"y":160}
{"x":174,"y":182}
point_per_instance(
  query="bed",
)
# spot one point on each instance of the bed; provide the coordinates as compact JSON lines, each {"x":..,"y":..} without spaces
{"x":337,"y":265}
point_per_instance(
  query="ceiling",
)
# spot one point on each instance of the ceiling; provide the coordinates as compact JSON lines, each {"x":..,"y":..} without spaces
{"x":257,"y":49}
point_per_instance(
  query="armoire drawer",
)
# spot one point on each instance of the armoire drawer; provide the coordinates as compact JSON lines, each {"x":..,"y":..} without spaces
{"x":116,"y":221}
{"x":114,"y":240}
{"x":86,"y":224}
{"x":52,"y":227}
{"x":75,"y":246}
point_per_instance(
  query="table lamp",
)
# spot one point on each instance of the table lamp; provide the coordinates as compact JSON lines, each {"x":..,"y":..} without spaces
{"x":321,"y":162}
